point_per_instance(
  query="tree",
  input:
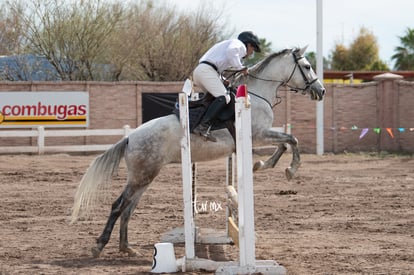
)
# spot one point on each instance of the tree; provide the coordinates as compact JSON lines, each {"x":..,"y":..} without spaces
{"x":165,"y":45}
{"x":10,"y":30}
{"x":361,"y":55}
{"x":363,"y":50}
{"x":311,"y":57}
{"x":109,"y":40}
{"x":379,"y":65}
{"x":404,"y":56}
{"x":340,"y":58}
{"x":16,"y":64}
{"x":70,"y":34}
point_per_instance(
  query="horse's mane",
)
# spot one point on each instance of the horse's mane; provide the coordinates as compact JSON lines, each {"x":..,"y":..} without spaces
{"x":258,"y":67}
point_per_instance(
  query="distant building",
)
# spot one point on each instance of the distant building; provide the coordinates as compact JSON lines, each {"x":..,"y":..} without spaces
{"x":27,"y":68}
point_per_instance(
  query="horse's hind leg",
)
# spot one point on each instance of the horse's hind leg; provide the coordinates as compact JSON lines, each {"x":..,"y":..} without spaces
{"x":116,"y":210}
{"x":124,"y":201}
{"x":126,"y":215}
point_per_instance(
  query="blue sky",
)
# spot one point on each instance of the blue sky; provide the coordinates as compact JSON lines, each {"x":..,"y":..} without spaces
{"x":289,"y":23}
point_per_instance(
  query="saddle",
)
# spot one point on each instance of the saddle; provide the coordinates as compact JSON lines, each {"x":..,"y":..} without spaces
{"x":197,"y":109}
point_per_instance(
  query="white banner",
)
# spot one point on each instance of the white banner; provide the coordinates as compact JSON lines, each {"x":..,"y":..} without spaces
{"x":49,"y":109}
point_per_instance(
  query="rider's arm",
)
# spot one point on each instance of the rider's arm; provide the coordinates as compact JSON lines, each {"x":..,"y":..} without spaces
{"x":234,"y":55}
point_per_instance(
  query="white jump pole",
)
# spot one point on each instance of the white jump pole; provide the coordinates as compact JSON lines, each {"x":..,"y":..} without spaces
{"x":245,"y":183}
{"x":189,"y":227}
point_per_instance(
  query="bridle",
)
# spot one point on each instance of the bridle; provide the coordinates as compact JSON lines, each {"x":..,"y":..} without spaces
{"x":308,"y":82}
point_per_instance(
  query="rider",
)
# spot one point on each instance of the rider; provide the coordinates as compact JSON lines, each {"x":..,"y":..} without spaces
{"x":222,"y":56}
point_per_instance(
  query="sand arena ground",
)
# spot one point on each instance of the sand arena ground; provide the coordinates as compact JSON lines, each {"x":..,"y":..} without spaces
{"x":342,"y":214}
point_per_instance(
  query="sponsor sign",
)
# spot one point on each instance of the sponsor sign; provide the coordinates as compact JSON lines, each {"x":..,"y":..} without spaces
{"x":49,"y":109}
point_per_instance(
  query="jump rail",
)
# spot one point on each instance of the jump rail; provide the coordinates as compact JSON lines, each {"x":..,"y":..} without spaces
{"x":41,"y":133}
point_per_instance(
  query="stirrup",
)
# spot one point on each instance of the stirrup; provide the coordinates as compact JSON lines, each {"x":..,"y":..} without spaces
{"x":206,"y":134}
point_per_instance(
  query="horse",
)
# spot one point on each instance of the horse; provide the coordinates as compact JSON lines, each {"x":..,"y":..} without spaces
{"x":157,"y":143}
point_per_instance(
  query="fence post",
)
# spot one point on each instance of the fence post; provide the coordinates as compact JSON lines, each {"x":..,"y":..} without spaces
{"x":388,"y":111}
{"x":41,"y":140}
{"x":127,"y":130}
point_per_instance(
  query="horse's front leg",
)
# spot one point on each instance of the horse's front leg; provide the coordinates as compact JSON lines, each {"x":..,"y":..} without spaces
{"x":280,"y":138}
{"x":270,"y":162}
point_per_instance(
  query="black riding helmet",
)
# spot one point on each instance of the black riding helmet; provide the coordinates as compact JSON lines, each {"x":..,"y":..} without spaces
{"x":250,"y":37}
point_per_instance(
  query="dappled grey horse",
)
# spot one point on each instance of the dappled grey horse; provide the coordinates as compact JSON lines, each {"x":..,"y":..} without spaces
{"x":157,"y":142}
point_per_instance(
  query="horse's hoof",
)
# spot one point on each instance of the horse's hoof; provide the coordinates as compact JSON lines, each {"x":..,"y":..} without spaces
{"x":96,"y":252}
{"x":258,"y":165}
{"x":131,"y":252}
{"x":289,"y":173}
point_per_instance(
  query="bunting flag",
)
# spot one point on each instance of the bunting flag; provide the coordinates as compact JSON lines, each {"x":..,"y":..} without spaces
{"x":389,"y":130}
{"x":353,"y":127}
{"x":363,"y":133}
{"x":377,"y":130}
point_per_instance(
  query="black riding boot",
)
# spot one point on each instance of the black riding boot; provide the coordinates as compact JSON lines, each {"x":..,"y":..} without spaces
{"x":203,"y":129}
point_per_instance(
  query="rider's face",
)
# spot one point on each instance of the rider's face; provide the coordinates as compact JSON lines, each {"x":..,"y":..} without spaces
{"x":250,"y":50}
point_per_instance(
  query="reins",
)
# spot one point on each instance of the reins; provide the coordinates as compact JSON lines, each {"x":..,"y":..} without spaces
{"x":279,"y":99}
{"x":235,"y":74}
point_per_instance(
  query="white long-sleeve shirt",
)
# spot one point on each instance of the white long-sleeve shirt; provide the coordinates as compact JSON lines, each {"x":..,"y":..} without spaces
{"x":226,"y":55}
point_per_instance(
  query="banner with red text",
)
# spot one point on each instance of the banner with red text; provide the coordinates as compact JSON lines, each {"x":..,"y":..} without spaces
{"x":49,"y":109}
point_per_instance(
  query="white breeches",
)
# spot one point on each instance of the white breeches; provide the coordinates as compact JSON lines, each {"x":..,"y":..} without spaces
{"x":205,"y":77}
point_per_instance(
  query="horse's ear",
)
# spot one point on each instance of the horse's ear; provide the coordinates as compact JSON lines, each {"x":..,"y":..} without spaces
{"x":303,"y":50}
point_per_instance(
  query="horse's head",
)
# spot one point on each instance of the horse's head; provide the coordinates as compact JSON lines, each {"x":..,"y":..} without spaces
{"x":289,"y":68}
{"x":303,"y":77}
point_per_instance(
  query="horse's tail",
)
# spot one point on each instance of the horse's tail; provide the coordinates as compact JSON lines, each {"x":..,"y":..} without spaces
{"x":97,"y":177}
